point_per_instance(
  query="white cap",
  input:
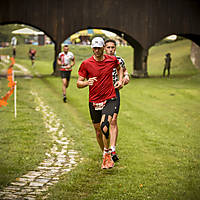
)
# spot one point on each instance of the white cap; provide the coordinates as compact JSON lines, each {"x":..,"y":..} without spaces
{"x":97,"y":42}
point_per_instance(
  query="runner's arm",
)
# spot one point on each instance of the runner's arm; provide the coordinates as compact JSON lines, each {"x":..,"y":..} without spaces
{"x":126,"y":76}
{"x":72,"y":64}
{"x":59,"y":62}
{"x":119,"y":83}
{"x":81,"y":82}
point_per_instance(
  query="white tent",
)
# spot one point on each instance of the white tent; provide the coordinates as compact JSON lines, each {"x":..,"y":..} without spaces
{"x":27,"y":31}
{"x":108,"y":33}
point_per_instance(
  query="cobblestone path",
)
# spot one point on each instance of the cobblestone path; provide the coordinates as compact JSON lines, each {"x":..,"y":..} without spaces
{"x":60,"y":160}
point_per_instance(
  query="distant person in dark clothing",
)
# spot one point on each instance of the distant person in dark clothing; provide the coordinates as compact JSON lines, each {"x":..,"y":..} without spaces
{"x":14,"y":52}
{"x":13,"y":44}
{"x":32,"y":53}
{"x":54,"y":66}
{"x":167,"y":64}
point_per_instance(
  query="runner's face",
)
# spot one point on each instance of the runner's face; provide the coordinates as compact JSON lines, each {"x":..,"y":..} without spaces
{"x":98,"y":51}
{"x":65,"y":49}
{"x":110,"y":48}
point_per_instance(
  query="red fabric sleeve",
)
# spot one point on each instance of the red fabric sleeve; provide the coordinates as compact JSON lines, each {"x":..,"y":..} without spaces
{"x":82,"y":70}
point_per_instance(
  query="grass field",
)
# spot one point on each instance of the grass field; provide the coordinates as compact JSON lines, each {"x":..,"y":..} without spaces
{"x":159,"y":140}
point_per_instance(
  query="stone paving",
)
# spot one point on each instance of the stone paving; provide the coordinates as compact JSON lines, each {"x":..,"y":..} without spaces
{"x":59,"y":160}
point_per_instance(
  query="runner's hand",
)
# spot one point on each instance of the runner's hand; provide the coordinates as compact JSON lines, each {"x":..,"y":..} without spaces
{"x":68,"y":67}
{"x":118,"y":85}
{"x":91,"y":80}
{"x":126,"y":79}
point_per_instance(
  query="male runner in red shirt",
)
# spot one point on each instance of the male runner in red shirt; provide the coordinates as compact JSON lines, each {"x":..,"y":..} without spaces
{"x":96,"y":72}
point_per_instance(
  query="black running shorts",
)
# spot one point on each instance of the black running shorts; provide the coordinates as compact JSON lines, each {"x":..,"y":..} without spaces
{"x":109,"y":109}
{"x":32,"y":57}
{"x":65,"y":74}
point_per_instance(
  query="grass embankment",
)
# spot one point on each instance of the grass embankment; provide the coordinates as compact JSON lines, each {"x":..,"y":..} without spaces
{"x":23,"y":141}
{"x":158,"y":144}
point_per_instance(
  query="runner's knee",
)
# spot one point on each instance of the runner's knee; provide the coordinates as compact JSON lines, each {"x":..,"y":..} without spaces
{"x":105,"y":127}
{"x":113,"y":122}
{"x":98,"y":132}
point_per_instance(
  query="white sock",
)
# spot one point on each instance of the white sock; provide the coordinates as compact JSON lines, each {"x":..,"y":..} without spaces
{"x":112,"y":148}
{"x":105,"y":151}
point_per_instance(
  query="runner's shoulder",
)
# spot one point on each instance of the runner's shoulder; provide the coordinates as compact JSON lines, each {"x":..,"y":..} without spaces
{"x":88,"y":60}
{"x":121,"y":61}
{"x":70,"y":53}
{"x":110,"y":58}
{"x":61,"y":54}
{"x":120,"y":58}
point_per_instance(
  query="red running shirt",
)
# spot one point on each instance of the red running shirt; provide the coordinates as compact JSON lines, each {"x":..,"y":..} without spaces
{"x":103,"y":88}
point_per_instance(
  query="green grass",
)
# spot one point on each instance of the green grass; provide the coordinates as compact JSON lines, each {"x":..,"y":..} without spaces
{"x":158,"y":144}
{"x":23,"y":141}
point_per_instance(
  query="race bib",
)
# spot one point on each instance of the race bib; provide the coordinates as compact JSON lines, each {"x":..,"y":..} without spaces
{"x":99,"y":106}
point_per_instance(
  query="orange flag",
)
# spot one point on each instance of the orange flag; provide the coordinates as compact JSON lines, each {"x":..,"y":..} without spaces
{"x":11,"y":84}
{"x":12,"y":60}
{"x":3,"y":103}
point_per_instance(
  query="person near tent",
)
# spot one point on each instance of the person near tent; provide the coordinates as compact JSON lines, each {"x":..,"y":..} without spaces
{"x":13,"y":44}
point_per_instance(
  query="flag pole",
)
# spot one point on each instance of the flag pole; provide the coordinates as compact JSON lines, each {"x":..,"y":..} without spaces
{"x":15,"y":95}
{"x":15,"y":98}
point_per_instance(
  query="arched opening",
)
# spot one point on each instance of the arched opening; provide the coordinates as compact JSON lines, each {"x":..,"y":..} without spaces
{"x":139,"y":68}
{"x":179,"y":63}
{"x":138,"y":54}
{"x":18,"y":39}
{"x":79,"y":43}
{"x":195,"y":48}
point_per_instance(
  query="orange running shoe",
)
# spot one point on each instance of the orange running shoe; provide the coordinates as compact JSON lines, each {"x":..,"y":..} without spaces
{"x":107,"y":162}
{"x":110,"y":162}
{"x":104,"y":164}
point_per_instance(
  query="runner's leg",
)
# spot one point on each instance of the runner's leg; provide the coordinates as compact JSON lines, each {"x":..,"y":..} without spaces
{"x":99,"y":135}
{"x":64,"y":83}
{"x":113,"y":131}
